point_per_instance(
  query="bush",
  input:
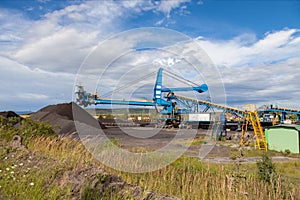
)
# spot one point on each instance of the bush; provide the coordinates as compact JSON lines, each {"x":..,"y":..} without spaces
{"x":26,"y":128}
{"x":287,"y":151}
{"x":266,"y":169}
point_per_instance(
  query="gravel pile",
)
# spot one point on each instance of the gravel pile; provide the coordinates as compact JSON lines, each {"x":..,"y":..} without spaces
{"x":61,"y":118}
{"x":8,"y":114}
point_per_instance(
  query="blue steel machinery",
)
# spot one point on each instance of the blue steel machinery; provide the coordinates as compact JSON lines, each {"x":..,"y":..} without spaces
{"x":167,"y":102}
{"x":170,"y":103}
{"x":282,"y":111}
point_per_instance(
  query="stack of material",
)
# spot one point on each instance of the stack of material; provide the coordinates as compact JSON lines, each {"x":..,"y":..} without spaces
{"x":61,"y":118}
{"x":8,"y":114}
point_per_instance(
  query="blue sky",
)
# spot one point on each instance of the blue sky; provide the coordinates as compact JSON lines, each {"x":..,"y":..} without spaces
{"x":199,"y":18}
{"x":254,"y":44}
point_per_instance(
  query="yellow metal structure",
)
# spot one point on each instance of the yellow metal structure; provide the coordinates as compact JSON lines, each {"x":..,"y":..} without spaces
{"x":251,"y":116}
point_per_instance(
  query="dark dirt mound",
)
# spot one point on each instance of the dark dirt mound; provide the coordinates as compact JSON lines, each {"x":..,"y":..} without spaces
{"x":9,"y":114}
{"x":61,"y":117}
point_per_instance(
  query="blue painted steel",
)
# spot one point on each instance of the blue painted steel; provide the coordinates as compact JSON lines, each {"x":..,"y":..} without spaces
{"x":168,"y":103}
{"x":206,"y":108}
{"x":158,"y":85}
{"x":121,"y":102}
{"x":283,"y":112}
{"x":289,"y":111}
{"x":200,"y":89}
{"x":157,"y":92}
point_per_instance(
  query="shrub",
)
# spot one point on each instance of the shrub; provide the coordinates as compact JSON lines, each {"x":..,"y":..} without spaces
{"x":266,"y":169}
{"x":287,"y":151}
{"x":26,"y":128}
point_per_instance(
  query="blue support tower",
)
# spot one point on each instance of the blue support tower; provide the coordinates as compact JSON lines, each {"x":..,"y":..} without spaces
{"x":283,"y":114}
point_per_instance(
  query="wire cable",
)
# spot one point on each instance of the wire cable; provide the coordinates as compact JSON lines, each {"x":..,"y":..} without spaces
{"x":128,"y":84}
{"x":180,"y":77}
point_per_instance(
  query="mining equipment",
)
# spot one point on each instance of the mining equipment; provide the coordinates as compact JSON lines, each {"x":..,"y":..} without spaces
{"x":167,"y":104}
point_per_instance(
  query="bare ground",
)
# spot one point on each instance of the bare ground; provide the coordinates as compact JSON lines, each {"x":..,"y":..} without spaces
{"x":161,"y":138}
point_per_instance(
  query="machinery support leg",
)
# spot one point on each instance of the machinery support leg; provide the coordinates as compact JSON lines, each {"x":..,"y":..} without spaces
{"x":282,"y":117}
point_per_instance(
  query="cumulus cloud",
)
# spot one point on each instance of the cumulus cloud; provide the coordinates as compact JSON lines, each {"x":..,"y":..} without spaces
{"x":171,"y":61}
{"x":168,"y":6}
{"x":39,"y":58}
{"x":61,"y":39}
{"x":13,"y":25}
{"x":57,"y":52}
{"x":34,"y":88}
{"x":274,"y":47}
{"x":263,"y":71}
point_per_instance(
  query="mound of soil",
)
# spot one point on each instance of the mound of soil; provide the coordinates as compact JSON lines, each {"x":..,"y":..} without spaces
{"x":61,"y":117}
{"x":9,"y":114}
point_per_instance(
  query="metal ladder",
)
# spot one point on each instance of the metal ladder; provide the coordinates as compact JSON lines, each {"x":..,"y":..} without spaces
{"x":252,"y":116}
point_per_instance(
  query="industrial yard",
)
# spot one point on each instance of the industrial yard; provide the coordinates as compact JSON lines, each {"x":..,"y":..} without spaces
{"x":138,"y":152}
{"x":185,"y":148}
{"x":149,"y":100}
{"x":73,"y":168}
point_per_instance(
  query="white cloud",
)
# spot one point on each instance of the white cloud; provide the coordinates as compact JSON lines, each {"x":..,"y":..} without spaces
{"x":275,"y":40}
{"x":13,"y":25}
{"x":275,"y":47}
{"x":260,"y":71}
{"x":168,"y":6}
{"x":171,"y":61}
{"x":39,"y":58}
{"x":62,"y":39}
{"x":32,"y":96}
{"x":43,"y":1}
{"x":24,"y":88}
{"x":57,"y":52}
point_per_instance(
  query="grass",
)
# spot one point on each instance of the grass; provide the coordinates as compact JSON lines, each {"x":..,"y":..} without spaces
{"x":257,"y":153}
{"x":186,"y":177}
{"x":193,"y":142}
{"x":18,"y":181}
{"x":291,"y":170}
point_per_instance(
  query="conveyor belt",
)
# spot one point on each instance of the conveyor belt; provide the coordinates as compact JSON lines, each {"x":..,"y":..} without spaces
{"x":282,"y":109}
{"x":202,"y":102}
{"x":250,"y":114}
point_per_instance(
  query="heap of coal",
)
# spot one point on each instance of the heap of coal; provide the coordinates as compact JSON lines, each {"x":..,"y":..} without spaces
{"x":11,"y":114}
{"x":61,"y":118}
{"x":8,"y":114}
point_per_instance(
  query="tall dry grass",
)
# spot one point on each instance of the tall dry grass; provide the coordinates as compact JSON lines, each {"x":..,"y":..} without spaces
{"x":187,"y":177}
